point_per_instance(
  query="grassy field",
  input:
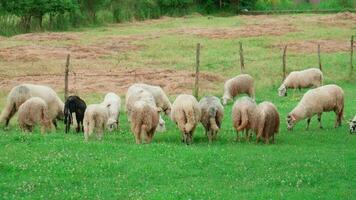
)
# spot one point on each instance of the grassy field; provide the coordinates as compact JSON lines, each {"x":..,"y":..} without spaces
{"x":314,"y":164}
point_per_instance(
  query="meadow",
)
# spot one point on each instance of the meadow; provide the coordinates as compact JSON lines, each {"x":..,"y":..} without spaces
{"x":313,"y":164}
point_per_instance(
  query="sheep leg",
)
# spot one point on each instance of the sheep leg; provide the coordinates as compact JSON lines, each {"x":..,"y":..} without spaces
{"x":266,"y":140}
{"x":319,"y":120}
{"x":237,"y":136}
{"x":210,"y":136}
{"x":338,"y":119}
{"x":308,"y":123}
{"x":54,"y":121}
{"x":247,"y":135}
{"x":272,"y":139}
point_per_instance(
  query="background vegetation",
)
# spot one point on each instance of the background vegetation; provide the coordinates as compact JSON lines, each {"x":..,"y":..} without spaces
{"x":20,"y":16}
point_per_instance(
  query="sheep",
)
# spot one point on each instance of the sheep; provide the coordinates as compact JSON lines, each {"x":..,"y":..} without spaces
{"x":212,"y":114}
{"x":265,"y":121}
{"x":311,"y":77}
{"x":316,"y":101}
{"x":136,"y":93}
{"x":240,"y":84}
{"x":352,"y":124}
{"x":113,"y":103}
{"x":145,"y":118}
{"x":160,"y":97}
{"x":186,"y":114}
{"x":242,"y":114}
{"x":95,"y":119}
{"x":34,"y":111}
{"x":19,"y":94}
{"x":74,"y":105}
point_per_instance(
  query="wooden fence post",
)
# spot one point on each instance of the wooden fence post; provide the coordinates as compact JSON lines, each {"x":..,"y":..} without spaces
{"x":284,"y":62}
{"x":319,"y":58}
{"x":196,"y":86}
{"x":242,"y":63}
{"x":66,"y":72}
{"x":351,"y":56}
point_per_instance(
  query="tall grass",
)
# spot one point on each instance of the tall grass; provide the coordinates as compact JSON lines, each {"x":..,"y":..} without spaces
{"x":291,"y":5}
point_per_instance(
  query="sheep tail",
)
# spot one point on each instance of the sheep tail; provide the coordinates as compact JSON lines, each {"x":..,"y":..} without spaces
{"x":212,"y":115}
{"x":244,"y":121}
{"x":191,"y":120}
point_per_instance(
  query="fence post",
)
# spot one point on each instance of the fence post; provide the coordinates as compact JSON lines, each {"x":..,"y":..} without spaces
{"x":319,"y":58}
{"x":351,"y":56}
{"x":66,"y":72}
{"x":242,"y":63}
{"x":196,"y":86}
{"x":284,"y":62}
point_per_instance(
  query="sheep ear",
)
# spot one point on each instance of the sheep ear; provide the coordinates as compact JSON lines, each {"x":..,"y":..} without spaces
{"x":292,"y":117}
{"x":159,"y":109}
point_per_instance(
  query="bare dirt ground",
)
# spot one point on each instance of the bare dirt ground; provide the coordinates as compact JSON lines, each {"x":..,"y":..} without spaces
{"x":243,"y":31}
{"x":326,"y":46}
{"x":101,"y":81}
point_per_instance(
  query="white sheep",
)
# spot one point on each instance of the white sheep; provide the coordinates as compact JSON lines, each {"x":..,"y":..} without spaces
{"x":316,"y":101}
{"x":212,"y":114}
{"x":186,"y":114}
{"x":113,"y":103}
{"x":159,"y":95}
{"x":312,"y":77}
{"x":242,"y":115}
{"x":19,"y":94}
{"x":144,"y":120}
{"x":265,"y":121}
{"x":240,"y":84}
{"x":352,"y":124}
{"x":95,"y":119}
{"x":136,"y":93}
{"x":34,"y":111}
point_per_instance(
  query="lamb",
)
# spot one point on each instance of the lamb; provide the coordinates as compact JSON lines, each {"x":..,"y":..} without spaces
{"x":136,"y":93}
{"x":242,"y":115}
{"x":145,"y":118}
{"x":316,"y":101}
{"x":74,"y":106}
{"x":212,"y":114}
{"x":34,"y":111}
{"x":19,"y":94}
{"x":113,"y":103}
{"x":265,"y":121}
{"x":186,"y":114}
{"x":160,"y":97}
{"x":312,"y":77}
{"x":352,"y":124}
{"x":240,"y":84}
{"x":95,"y":119}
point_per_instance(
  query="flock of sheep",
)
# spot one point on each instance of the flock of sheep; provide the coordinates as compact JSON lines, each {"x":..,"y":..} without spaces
{"x":144,"y":103}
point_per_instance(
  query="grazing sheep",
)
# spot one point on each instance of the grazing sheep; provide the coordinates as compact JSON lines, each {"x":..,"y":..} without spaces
{"x":312,"y":77}
{"x":316,"y":101}
{"x":145,"y":118}
{"x":353,"y":125}
{"x":186,"y":114}
{"x":240,"y":84}
{"x":74,"y":105}
{"x":113,"y":103}
{"x":34,"y":111}
{"x":161,"y":127}
{"x":265,"y":121}
{"x":160,"y":97}
{"x":19,"y":94}
{"x":136,"y":93}
{"x":242,"y":114}
{"x":95,"y":119}
{"x":212,"y":113}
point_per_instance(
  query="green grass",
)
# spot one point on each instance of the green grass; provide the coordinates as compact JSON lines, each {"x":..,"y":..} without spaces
{"x":314,"y":164}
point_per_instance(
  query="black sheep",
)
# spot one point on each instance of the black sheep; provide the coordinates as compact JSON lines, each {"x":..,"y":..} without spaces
{"x":74,"y":104}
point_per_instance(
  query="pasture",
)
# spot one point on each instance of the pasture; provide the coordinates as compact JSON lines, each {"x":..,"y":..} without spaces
{"x":314,"y":164}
